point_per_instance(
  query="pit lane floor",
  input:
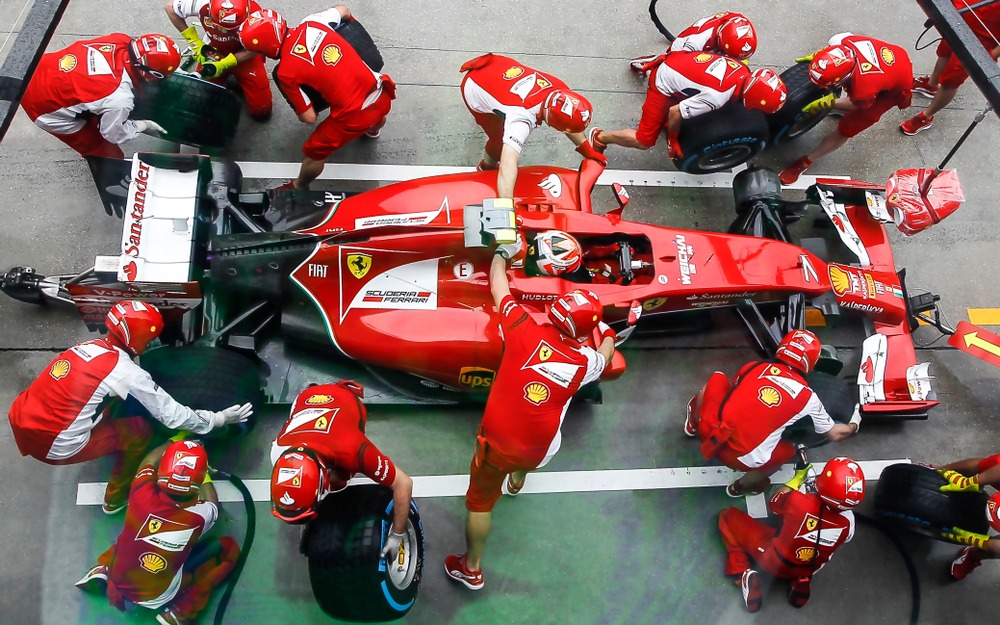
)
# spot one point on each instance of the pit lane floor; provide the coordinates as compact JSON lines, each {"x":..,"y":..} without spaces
{"x":650,"y":556}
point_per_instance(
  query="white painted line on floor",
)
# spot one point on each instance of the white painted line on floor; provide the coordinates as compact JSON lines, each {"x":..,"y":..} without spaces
{"x":396,"y":173}
{"x":92,"y":493}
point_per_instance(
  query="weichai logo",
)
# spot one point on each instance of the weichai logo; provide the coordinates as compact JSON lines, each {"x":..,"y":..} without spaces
{"x":476,"y":377}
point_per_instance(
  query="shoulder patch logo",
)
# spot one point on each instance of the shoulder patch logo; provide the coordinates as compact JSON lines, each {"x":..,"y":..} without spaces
{"x":332,"y":54}
{"x":154,"y":525}
{"x":805,"y":554}
{"x":544,"y":352}
{"x":703,"y":58}
{"x":299,"y":49}
{"x":60,"y":369}
{"x":887,"y":56}
{"x":537,"y":393}
{"x":152,"y":562}
{"x":513,"y":72}
{"x":769,"y":396}
{"x":542,"y":83}
{"x":67,"y":63}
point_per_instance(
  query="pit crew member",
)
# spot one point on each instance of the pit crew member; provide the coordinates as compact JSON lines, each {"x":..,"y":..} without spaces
{"x":741,"y":422}
{"x":317,"y":69}
{"x":82,"y":94}
{"x":812,"y":526}
{"x":543,"y":366}
{"x":93,"y":401}
{"x":162,"y":559}
{"x":876,"y":76}
{"x":972,"y":474}
{"x":728,"y":33}
{"x":948,"y":74}
{"x":508,"y":100}
{"x":683,"y":85}
{"x":321,"y":447}
{"x":223,"y":53}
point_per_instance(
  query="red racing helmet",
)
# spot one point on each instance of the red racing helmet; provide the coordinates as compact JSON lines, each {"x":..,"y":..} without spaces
{"x":558,"y":253}
{"x":264,"y":31}
{"x":567,"y":111}
{"x":799,"y":350}
{"x":576,"y":313}
{"x":993,"y":511}
{"x":182,"y":469}
{"x":298,"y":481}
{"x":841,"y":484}
{"x":764,"y":91}
{"x":155,"y":56}
{"x":229,"y":14}
{"x":831,"y":66}
{"x":737,"y":38}
{"x":133,"y":324}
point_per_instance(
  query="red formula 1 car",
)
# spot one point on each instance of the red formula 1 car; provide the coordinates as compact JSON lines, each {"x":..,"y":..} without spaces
{"x":394,"y":280}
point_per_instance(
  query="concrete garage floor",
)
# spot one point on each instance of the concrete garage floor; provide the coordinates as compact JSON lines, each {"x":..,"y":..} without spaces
{"x":637,"y":557}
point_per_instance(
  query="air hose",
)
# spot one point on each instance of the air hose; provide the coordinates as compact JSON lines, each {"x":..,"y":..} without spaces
{"x":251,"y":520}
{"x":907,"y":560}
{"x":659,"y":25}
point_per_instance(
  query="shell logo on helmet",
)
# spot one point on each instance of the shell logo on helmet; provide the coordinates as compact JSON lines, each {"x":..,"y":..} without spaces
{"x":318,"y":400}
{"x":513,"y":72}
{"x":67,"y":63}
{"x":331,"y":54}
{"x":60,"y":369}
{"x":537,"y":393}
{"x":152,"y":562}
{"x":769,"y":396}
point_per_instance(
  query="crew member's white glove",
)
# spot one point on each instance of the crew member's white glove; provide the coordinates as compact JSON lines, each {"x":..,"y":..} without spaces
{"x":233,"y":414}
{"x":392,"y":544}
{"x":510,"y":250}
{"x":149,"y":127}
{"x":856,"y":418}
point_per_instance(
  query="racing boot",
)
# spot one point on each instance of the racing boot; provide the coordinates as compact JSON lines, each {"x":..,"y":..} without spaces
{"x":966,"y":562}
{"x":915,"y":124}
{"x":798,"y":592}
{"x":749,"y":583}
{"x":791,"y":173}
{"x":923,"y":86}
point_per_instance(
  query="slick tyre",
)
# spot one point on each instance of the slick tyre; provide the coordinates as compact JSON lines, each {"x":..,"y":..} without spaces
{"x":790,"y":122}
{"x":356,"y":35}
{"x":721,"y":140}
{"x":207,"y":378}
{"x":837,"y":398}
{"x":908,"y":497}
{"x":349,"y":580}
{"x":192,"y":111}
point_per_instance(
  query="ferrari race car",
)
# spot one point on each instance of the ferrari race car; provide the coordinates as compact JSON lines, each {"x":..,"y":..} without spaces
{"x":392,"y":283}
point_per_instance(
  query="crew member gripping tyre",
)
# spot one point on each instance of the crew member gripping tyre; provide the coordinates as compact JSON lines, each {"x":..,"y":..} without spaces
{"x":82,"y":94}
{"x":92,"y":401}
{"x":740,"y":422}
{"x":162,"y":560}
{"x":973,"y":474}
{"x":543,"y":366}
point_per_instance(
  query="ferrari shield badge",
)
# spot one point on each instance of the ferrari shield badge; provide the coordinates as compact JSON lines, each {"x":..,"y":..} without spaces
{"x":359,"y":264}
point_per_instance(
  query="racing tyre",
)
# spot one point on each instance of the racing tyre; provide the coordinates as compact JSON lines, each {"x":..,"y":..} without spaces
{"x":355,"y":34}
{"x":838,"y":400}
{"x":907,"y":496}
{"x":790,"y":122}
{"x":721,"y":140}
{"x":207,"y":378}
{"x":193,"y":111}
{"x":348,"y":578}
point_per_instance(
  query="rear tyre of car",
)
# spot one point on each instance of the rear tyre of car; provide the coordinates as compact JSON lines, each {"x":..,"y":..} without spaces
{"x":207,"y":378}
{"x":192,"y":111}
{"x":721,"y":140}
{"x":837,"y":398}
{"x":790,"y":122}
{"x":908,"y":496}
{"x":349,"y":579}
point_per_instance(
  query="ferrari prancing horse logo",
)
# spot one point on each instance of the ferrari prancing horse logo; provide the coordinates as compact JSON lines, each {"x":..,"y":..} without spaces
{"x":154,"y":525}
{"x":359,"y":264}
{"x":544,"y":353}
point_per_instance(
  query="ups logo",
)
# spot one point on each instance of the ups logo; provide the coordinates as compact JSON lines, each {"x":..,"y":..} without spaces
{"x":476,"y":378}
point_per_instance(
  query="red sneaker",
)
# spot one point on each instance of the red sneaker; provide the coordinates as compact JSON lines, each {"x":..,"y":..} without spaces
{"x":510,"y":488}
{"x":915,"y":124}
{"x":793,"y":171}
{"x":798,"y":592}
{"x":690,"y":427}
{"x":373,"y":133}
{"x":454,"y":566}
{"x":923,"y":86}
{"x":750,"y":584}
{"x":965,"y":563}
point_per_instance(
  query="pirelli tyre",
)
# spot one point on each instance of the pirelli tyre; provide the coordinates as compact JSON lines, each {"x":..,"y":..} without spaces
{"x":839,"y":400}
{"x":721,"y":140}
{"x":355,"y":34}
{"x":790,"y":122}
{"x":207,"y":378}
{"x":192,"y":111}
{"x":908,"y":496}
{"x":349,"y":579}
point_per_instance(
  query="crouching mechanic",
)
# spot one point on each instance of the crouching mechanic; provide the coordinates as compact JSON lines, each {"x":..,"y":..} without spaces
{"x":812,"y":526}
{"x":93,"y":401}
{"x":82,"y":94}
{"x":317,"y":68}
{"x":542,"y":367}
{"x":741,"y":422}
{"x":508,"y":100}
{"x":972,"y":474}
{"x":161,"y":560}
{"x":221,"y":20}
{"x":727,"y":33}
{"x":683,"y":85}
{"x":876,"y":77}
{"x":321,"y":447}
